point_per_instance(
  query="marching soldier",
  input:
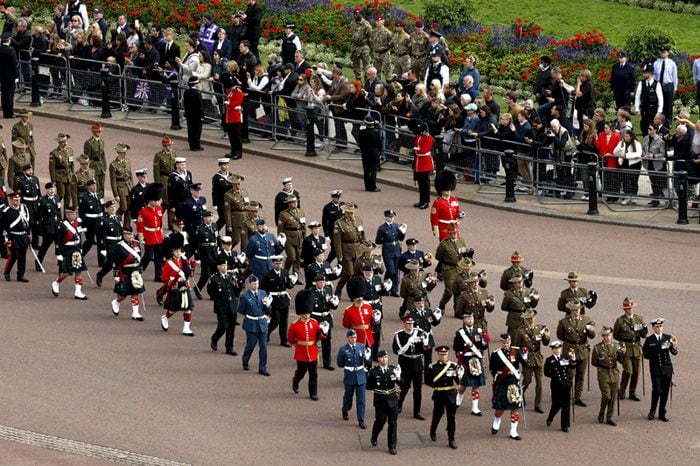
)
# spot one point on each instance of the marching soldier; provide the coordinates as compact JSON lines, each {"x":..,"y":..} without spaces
{"x":368,"y":258}
{"x":605,"y":356}
{"x":192,"y":212}
{"x":61,"y":170}
{"x":224,"y":288}
{"x":20,"y":158}
{"x":331,"y":212}
{"x":360,"y":316}
{"x":70,"y":260}
{"x":412,"y":253}
{"x":375,"y":288}
{"x":163,"y":166}
{"x":83,"y":174}
{"x":448,"y":254}
{"x":234,"y":207}
{"x":94,"y":150}
{"x":313,"y":242}
{"x":353,"y":357}
{"x":426,"y":319}
{"x":24,"y":130}
{"x":443,"y":376}
{"x":419,"y":47}
{"x":361,"y":36}
{"x":556,"y":367}
{"x":28,"y":186}
{"x":219,"y":187}
{"x":464,"y":268}
{"x":658,"y":349}
{"x":516,"y":301}
{"x":507,"y":395}
{"x":321,"y":267}
{"x":402,"y":49}
{"x":471,"y":295}
{"x":120,"y":180}
{"x":587,"y":298}
{"x":532,"y":336}
{"x":110,"y":235}
{"x":410,"y":344}
{"x":127,"y":273}
{"x":90,"y":211}
{"x":3,"y":163}
{"x":249,"y":228}
{"x":304,"y":334}
{"x":237,"y":263}
{"x":176,"y":274}
{"x":292,"y":223}
{"x":325,"y":302}
{"x":49,"y":218}
{"x":254,"y":305}
{"x":179,"y":182}
{"x":445,"y":211}
{"x":149,"y":225}
{"x":389,"y":236}
{"x":516,"y":268}
{"x":207,"y":249}
{"x":275,"y":283}
{"x":415,"y":284}
{"x":469,"y":343}
{"x":348,"y":233}
{"x":261,"y":248}
{"x":384,"y":379}
{"x":629,"y":329}
{"x":137,"y":195}
{"x":17,"y":232}
{"x":281,"y":197}
{"x":574,"y":331}
{"x":381,"y":42}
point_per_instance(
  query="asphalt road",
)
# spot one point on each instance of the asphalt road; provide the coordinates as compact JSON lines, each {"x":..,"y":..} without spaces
{"x":70,"y":369}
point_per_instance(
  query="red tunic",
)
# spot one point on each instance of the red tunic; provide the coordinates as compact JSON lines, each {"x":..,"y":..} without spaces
{"x":305,"y":335}
{"x":360,"y":319}
{"x":444,"y":212}
{"x":174,"y":270}
{"x":422,"y":146}
{"x":149,"y":224}
{"x":234,"y":101}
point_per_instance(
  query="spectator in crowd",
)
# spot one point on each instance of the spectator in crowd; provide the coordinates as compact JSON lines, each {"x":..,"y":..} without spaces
{"x":337,"y":94}
{"x":98,"y":16}
{"x":557,"y":94}
{"x":302,"y":93}
{"x":629,"y":154}
{"x":599,"y":119}
{"x":223,"y":45}
{"x":666,"y":73}
{"x":562,"y":153}
{"x":696,"y":79}
{"x":317,"y":98}
{"x":169,"y":50}
{"x":485,"y":130}
{"x":492,"y":104}
{"x":543,"y":80}
{"x":74,"y":28}
{"x":419,"y":100}
{"x":38,"y":44}
{"x":606,"y":143}
{"x":623,"y":122}
{"x":622,"y":81}
{"x":654,"y":155}
{"x":134,"y":36}
{"x":523,"y":134}
{"x":58,"y":20}
{"x":123,"y":25}
{"x":683,"y":157}
{"x":585,"y":97}
{"x":300,"y":63}
{"x":203,"y":71}
{"x":470,"y":70}
{"x":235,"y":33}
{"x":119,"y":50}
{"x":189,"y":63}
{"x":75,"y":8}
{"x":156,"y":34}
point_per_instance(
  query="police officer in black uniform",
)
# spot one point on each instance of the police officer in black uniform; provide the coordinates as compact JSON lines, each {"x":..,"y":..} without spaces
{"x":648,"y":97}
{"x":331,"y":213}
{"x":91,"y":209}
{"x":207,"y":249}
{"x":558,"y":368}
{"x":49,"y":214}
{"x":443,"y":376}
{"x":110,"y":234}
{"x":276,"y":282}
{"x":324,"y":303}
{"x":224,"y":288}
{"x":622,"y":80}
{"x":384,"y":380}
{"x":16,"y":228}
{"x":28,"y":185}
{"x":137,"y":195}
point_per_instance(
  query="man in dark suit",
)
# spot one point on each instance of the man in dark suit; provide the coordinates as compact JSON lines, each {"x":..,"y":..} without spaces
{"x":300,"y":63}
{"x":252,"y":19}
{"x":658,"y":349}
{"x":236,"y":33}
{"x":622,"y":81}
{"x":194,"y":112}
{"x":8,"y":74}
{"x":370,"y":142}
{"x":168,"y":50}
{"x":556,"y":367}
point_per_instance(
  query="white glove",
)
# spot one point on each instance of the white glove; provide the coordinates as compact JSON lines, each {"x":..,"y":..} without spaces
{"x":437,"y":313}
{"x":241,"y":258}
{"x":397,"y":372}
{"x":460,"y":372}
{"x":116,"y":279}
{"x":338,"y":269}
{"x":282,"y":239}
{"x":268,"y":319}
{"x":267,"y":300}
{"x":377,"y":316}
{"x":387,"y":284}
{"x":103,"y":253}
{"x":368,"y":353}
{"x":325,"y":327}
{"x":59,"y":258}
{"x":335,"y":300}
{"x":426,"y":339}
{"x":402,"y":228}
{"x":461,"y":214}
{"x":328,"y":240}
{"x":294,"y":278}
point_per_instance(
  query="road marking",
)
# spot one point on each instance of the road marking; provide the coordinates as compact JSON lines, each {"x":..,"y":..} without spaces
{"x":657,"y":284}
{"x":81,"y":448}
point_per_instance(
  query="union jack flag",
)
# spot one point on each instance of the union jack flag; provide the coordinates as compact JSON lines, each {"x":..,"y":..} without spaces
{"x":143,"y":90}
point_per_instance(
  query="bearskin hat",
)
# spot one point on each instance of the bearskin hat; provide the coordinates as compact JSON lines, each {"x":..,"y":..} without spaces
{"x":445,"y":180}
{"x":154,"y":192}
{"x":304,"y":302}
{"x":357,"y":288}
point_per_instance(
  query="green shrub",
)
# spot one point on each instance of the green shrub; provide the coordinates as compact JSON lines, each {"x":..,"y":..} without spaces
{"x":448,"y":12}
{"x":643,"y":44}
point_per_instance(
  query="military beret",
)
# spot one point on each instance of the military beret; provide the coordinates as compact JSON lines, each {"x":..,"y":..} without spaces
{"x":381,"y":353}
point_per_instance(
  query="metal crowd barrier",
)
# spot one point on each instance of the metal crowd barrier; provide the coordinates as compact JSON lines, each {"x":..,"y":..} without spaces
{"x":558,"y":182}
{"x":141,"y":93}
{"x":261,"y":115}
{"x":626,"y":189}
{"x":339,"y":135}
{"x":85,"y":84}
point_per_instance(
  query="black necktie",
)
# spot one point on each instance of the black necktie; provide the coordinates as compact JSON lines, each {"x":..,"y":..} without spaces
{"x":663,"y":70}
{"x":167,"y":48}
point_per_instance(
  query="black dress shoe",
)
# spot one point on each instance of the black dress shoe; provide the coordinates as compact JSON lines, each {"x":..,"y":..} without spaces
{"x":539,"y":410}
{"x":22,"y":279}
{"x":231,"y":353}
{"x":314,"y":397}
{"x":477,"y":413}
{"x":651,"y":415}
{"x":423,"y":206}
{"x":286,"y":345}
{"x":197,"y":293}
{"x":345,"y":416}
{"x":564,"y":429}
{"x":295,"y":387}
{"x":634,"y":398}
{"x":433,"y":436}
{"x":214,"y":346}
{"x":610,"y":422}
{"x":7,"y":277}
{"x":419,"y":416}
{"x":549,"y":422}
{"x":246,"y":367}
{"x":663,"y":417}
{"x":392,"y":451}
{"x":159,"y":300}
{"x":600,"y":419}
{"x":265,"y":373}
{"x":375,"y":190}
{"x":621,"y":395}
{"x":417,"y":204}
{"x":452,"y":444}
{"x":362,"y":425}
{"x":329,"y":368}
{"x":517,"y":437}
{"x":140,"y":319}
{"x":580,"y":402}
{"x":98,"y":281}
{"x":373,"y":442}
{"x":494,"y":431}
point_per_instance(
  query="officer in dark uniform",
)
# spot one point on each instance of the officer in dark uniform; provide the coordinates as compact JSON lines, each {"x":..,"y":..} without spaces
{"x":179,"y":183}
{"x":622,"y":81}
{"x":137,"y":195}
{"x":49,"y":214}
{"x":389,"y":236}
{"x":370,"y":143}
{"x":324,"y":304}
{"x":373,"y":296}
{"x":276,"y":282}
{"x":220,"y":185}
{"x":28,"y":185}
{"x":412,"y":253}
{"x":658,"y":349}
{"x":556,"y":367}
{"x":110,"y":233}
{"x":409,"y":344}
{"x":331,"y":213}
{"x":384,"y":380}
{"x":194,"y":112}
{"x":224,"y":288}
{"x":426,"y":319}
{"x":649,"y":98}
{"x":91,"y":210}
{"x":192,"y":209}
{"x":207,"y":249}
{"x":313,"y":242}
{"x":16,"y":228}
{"x":443,"y":376}
{"x":321,"y":267}
{"x":237,"y":263}
{"x":281,"y":197}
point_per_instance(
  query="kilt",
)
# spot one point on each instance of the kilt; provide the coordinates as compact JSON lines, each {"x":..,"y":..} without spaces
{"x":67,"y":265}
{"x":500,"y":400}
{"x":470,"y":380}
{"x":126,"y":287}
{"x":179,"y":300}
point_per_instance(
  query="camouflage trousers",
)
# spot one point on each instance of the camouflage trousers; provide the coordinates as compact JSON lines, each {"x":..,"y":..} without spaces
{"x":360,"y":61}
{"x":402,"y":63}
{"x":382,"y":62}
{"x":419,"y":65}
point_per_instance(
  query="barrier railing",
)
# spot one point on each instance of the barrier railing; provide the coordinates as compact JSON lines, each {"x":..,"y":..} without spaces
{"x":84,"y":79}
{"x":635,"y":187}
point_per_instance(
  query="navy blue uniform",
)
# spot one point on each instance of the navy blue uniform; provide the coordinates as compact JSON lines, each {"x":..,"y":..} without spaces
{"x":352,"y":359}
{"x":260,"y":249}
{"x":390,"y":237}
{"x":255,"y":323}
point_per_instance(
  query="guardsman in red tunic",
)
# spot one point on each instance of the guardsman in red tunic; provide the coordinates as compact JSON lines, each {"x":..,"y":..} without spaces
{"x":127,"y":274}
{"x":445,"y":209}
{"x":234,"y":118}
{"x":304,"y":335}
{"x":149,"y":226}
{"x":176,"y":274}
{"x":423,"y":163}
{"x":359,"y":316}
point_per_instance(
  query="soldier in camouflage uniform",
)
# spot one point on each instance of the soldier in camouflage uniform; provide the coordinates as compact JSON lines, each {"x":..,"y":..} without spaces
{"x":402,"y":50}
{"x":475,"y":300}
{"x":62,"y":172}
{"x":163,"y":166}
{"x":121,"y":181}
{"x":630,"y":329}
{"x":381,"y":41}
{"x":84,"y":174}
{"x":359,"y":54}
{"x":418,"y":49}
{"x":234,"y":210}
{"x":94,"y":149}
{"x":532,"y":336}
